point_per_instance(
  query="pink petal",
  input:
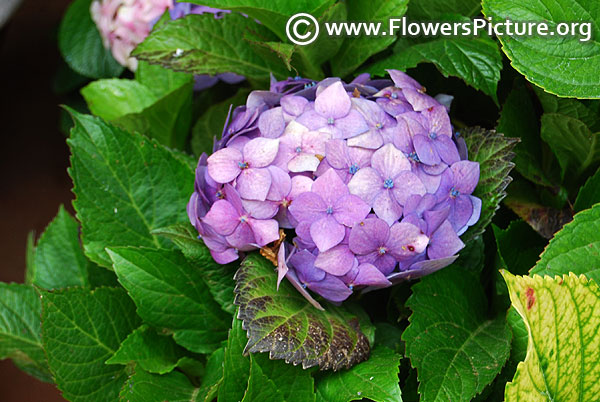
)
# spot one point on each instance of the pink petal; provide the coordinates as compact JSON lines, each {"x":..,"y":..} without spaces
{"x":265,"y":231}
{"x":223,"y":165}
{"x":335,"y":261}
{"x":386,"y":207}
{"x":330,"y":187}
{"x":242,"y":238}
{"x":254,"y":184}
{"x":222,"y":217}
{"x":371,"y":139}
{"x":366,"y":184}
{"x":281,"y":184}
{"x":326,"y":233}
{"x":282,"y":267}
{"x":260,"y":152}
{"x":406,"y":240}
{"x":350,"y":209}
{"x":466,"y":176}
{"x":293,"y":105}
{"x":300,"y":184}
{"x":261,"y":209}
{"x":225,"y":257}
{"x":333,"y":102}
{"x":439,"y":121}
{"x":271,"y":123}
{"x":419,"y":100}
{"x":308,"y":207}
{"x":303,"y":163}
{"x":368,"y":236}
{"x":406,"y":184}
{"x":389,"y":161}
{"x":447,"y":150}
{"x":352,"y":125}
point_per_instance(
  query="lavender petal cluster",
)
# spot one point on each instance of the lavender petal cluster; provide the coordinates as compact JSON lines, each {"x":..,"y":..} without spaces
{"x":368,"y":180}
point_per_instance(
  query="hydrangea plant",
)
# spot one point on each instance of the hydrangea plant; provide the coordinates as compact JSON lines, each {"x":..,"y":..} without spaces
{"x":364,"y":179}
{"x":308,"y":200}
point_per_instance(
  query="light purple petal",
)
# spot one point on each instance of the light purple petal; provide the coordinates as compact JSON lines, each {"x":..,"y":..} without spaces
{"x":351,"y":125}
{"x":311,"y":120}
{"x":460,"y":212}
{"x":281,"y":184}
{"x":304,"y":263}
{"x":406,"y":184}
{"x":223,"y":165}
{"x":293,"y":105}
{"x":282,"y":267}
{"x":421,"y":268}
{"x":260,"y":152}
{"x":368,"y":236}
{"x":446,"y":149}
{"x":308,"y":207}
{"x":265,"y":231}
{"x":333,"y":102}
{"x":242,"y":238}
{"x":261,"y":209}
{"x":254,"y":184}
{"x":386,"y":207}
{"x":426,"y":151}
{"x":389,"y":161}
{"x":330,"y":187}
{"x":419,"y":100}
{"x":371,"y":139}
{"x":366,"y":183}
{"x":444,"y":242}
{"x":303,"y":163}
{"x":291,"y":276}
{"x":271,"y":123}
{"x":300,"y":184}
{"x":466,"y":176}
{"x":369,"y":275}
{"x":350,"y":209}
{"x":225,"y":257}
{"x":222,"y":217}
{"x":439,"y":121}
{"x":337,"y":154}
{"x":435,"y":218}
{"x":336,"y":261}
{"x":406,"y":240}
{"x":331,"y":288}
{"x":403,"y":80}
{"x":327,"y":233}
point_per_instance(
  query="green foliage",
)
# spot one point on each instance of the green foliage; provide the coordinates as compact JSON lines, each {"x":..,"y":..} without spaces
{"x":455,"y":347}
{"x":81,"y":45}
{"x":20,"y":329}
{"x":289,"y":328}
{"x":563,"y":351}
{"x":126,"y":185}
{"x":200,"y":44}
{"x":543,"y":59}
{"x":146,"y":387}
{"x":170,"y":294}
{"x":81,"y":329}
{"x":376,"y":379}
{"x":494,"y":153}
{"x":575,"y":248}
{"x":435,"y":9}
{"x":589,"y":193}
{"x":518,"y":246}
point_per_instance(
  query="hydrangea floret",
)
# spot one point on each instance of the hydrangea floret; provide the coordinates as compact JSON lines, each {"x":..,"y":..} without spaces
{"x":365,"y":180}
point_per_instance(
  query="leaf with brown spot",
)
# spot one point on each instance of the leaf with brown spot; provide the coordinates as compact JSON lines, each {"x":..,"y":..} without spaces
{"x":284,"y":324}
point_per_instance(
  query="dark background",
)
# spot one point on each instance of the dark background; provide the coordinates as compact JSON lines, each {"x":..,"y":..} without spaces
{"x":33,"y":156}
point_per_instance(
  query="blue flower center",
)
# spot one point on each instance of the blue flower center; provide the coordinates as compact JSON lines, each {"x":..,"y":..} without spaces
{"x":394,"y":95}
{"x":433,"y":135}
{"x":298,"y":150}
{"x":388,"y":183}
{"x":243,"y":219}
{"x":353,"y":169}
{"x":457,"y":133}
{"x":330,"y":121}
{"x":382,"y":250}
{"x":351,"y":287}
{"x":304,"y":285}
{"x":329,"y":210}
{"x":297,"y":78}
{"x":379,"y":126}
{"x":454,"y":192}
{"x":220,"y":194}
{"x":243,"y":165}
{"x":414,"y":156}
{"x":309,"y":85}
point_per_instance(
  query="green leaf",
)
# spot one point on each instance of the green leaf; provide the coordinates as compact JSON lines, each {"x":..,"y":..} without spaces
{"x":494,"y":153}
{"x":477,"y":61}
{"x":145,"y":387}
{"x":519,"y":246}
{"x":236,"y":366}
{"x":200,"y":44}
{"x":152,"y":352}
{"x":212,"y":121}
{"x":113,"y":98}
{"x":168,"y":120}
{"x":561,"y":65}
{"x":455,"y":347}
{"x":574,"y":145}
{"x":356,"y":50}
{"x":260,"y":387}
{"x":576,"y":248}
{"x":563,"y":351}
{"x":160,"y":80}
{"x":427,"y":10}
{"x":20,"y":329}
{"x":125,"y":186}
{"x":589,"y":193}
{"x":81,"y":45}
{"x":170,"y":294}
{"x":80,"y":330}
{"x":58,"y":261}
{"x":569,"y":107}
{"x":518,"y":119}
{"x":219,"y":278}
{"x":520,"y":335}
{"x":390,"y":336}
{"x":213,"y":376}
{"x":293,"y":383}
{"x":375,"y":379}
{"x":277,"y":52}
{"x":272,"y":13}
{"x":289,"y":327}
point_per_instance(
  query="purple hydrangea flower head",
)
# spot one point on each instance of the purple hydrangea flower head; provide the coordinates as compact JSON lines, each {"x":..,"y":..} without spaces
{"x":367,"y":180}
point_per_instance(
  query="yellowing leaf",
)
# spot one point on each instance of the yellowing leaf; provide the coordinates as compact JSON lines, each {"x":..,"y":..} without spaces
{"x":561,"y":315}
